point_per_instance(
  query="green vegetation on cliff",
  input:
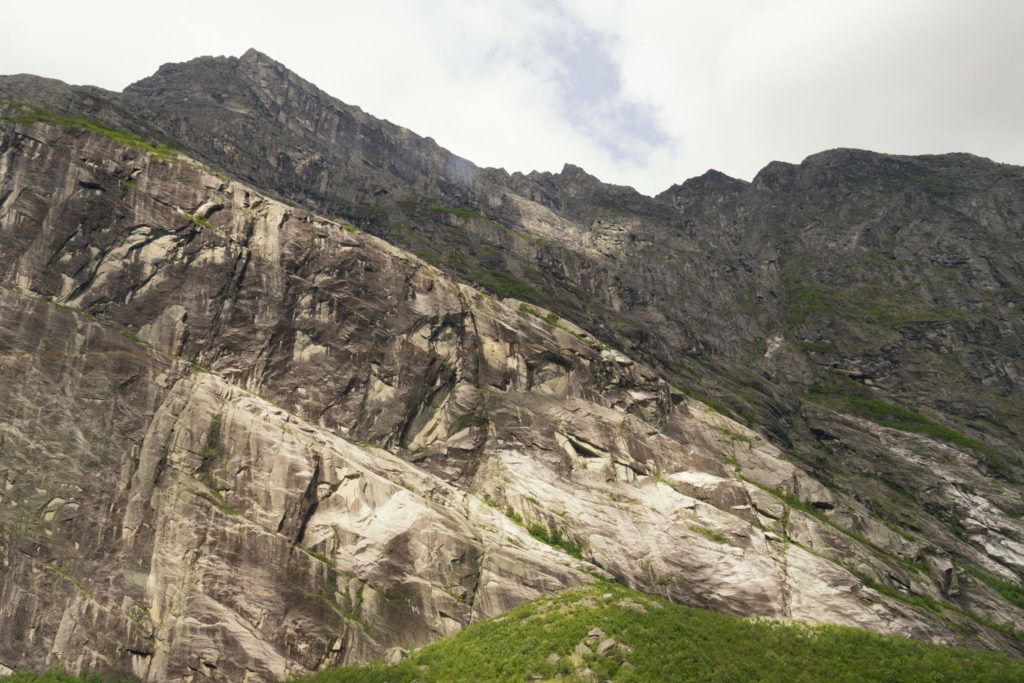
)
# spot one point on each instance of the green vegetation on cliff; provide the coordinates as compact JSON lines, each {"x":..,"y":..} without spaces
{"x":839,"y":392}
{"x":658,"y":640}
{"x":17,"y":112}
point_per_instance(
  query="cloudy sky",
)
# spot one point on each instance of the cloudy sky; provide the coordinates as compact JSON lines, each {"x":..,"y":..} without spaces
{"x":639,"y":93}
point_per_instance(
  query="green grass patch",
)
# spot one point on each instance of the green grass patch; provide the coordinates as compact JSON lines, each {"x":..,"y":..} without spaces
{"x":857,"y":304}
{"x":712,"y":404}
{"x":457,"y":211}
{"x":819,"y":346}
{"x":468,"y":264}
{"x":553,"y":537}
{"x":23,"y":113}
{"x":709,"y":534}
{"x":504,"y":284}
{"x":804,"y":300}
{"x":195,"y":220}
{"x":511,"y":513}
{"x":1013,"y":593}
{"x":425,"y":205}
{"x":841,"y":393}
{"x":533,"y":239}
{"x":134,"y":337}
{"x":921,"y":601}
{"x":674,"y":643}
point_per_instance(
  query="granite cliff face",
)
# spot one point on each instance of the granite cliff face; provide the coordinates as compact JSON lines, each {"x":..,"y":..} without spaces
{"x":241,"y":440}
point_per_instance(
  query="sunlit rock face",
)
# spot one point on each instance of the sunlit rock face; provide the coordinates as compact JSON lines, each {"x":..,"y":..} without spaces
{"x":242,"y":441}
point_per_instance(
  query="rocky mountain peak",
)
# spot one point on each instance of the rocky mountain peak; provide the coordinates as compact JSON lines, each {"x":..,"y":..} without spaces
{"x":574,"y":174}
{"x":777,"y":175}
{"x":710,"y":181}
{"x":374,"y":393}
{"x":207,"y":69}
{"x":232,"y":82}
{"x":269,"y":74}
{"x":253,"y":56}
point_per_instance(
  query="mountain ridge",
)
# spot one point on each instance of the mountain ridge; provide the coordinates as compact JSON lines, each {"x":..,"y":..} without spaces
{"x":364,"y":204}
{"x":253,"y":57}
{"x":856,"y":311}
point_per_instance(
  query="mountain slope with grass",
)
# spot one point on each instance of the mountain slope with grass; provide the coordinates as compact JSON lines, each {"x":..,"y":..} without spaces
{"x":603,"y":632}
{"x":286,"y":386}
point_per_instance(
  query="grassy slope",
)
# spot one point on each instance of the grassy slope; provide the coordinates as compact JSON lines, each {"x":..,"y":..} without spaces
{"x":675,"y":643}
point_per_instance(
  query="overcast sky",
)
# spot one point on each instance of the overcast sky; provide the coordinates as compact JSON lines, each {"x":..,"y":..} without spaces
{"x":639,"y":93}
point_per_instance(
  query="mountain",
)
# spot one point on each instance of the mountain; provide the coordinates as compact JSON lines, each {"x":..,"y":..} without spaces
{"x":286,"y":385}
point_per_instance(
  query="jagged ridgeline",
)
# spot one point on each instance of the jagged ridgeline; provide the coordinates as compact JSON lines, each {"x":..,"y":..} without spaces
{"x":285,"y":387}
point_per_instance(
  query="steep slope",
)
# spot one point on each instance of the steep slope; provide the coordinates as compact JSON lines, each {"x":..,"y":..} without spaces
{"x":908,"y":241}
{"x":854,"y":286}
{"x":738,"y":289}
{"x":161,"y":518}
{"x":492,"y":418}
{"x":609,"y":633}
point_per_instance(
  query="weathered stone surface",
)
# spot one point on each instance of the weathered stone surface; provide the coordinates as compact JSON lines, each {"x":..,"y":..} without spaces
{"x":302,"y":449}
{"x":605,"y":647}
{"x":632,"y":606}
{"x":180,"y":558}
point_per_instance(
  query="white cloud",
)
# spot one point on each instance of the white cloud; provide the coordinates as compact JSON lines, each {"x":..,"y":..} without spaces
{"x":641,"y":93}
{"x":741,"y":83}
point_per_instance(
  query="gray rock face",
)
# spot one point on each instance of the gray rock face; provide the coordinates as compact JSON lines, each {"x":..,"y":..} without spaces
{"x":223,"y":535}
{"x":243,"y":441}
{"x":582,"y":650}
{"x":895,"y":273}
{"x":163,"y":521}
{"x":605,"y":647}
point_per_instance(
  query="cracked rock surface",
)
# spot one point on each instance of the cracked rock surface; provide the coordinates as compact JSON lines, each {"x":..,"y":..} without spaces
{"x":241,"y":441}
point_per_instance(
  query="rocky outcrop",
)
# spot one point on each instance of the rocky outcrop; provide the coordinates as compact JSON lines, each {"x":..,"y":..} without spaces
{"x":896,"y":273}
{"x":195,"y":374}
{"x":241,"y":440}
{"x":162,"y":521}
